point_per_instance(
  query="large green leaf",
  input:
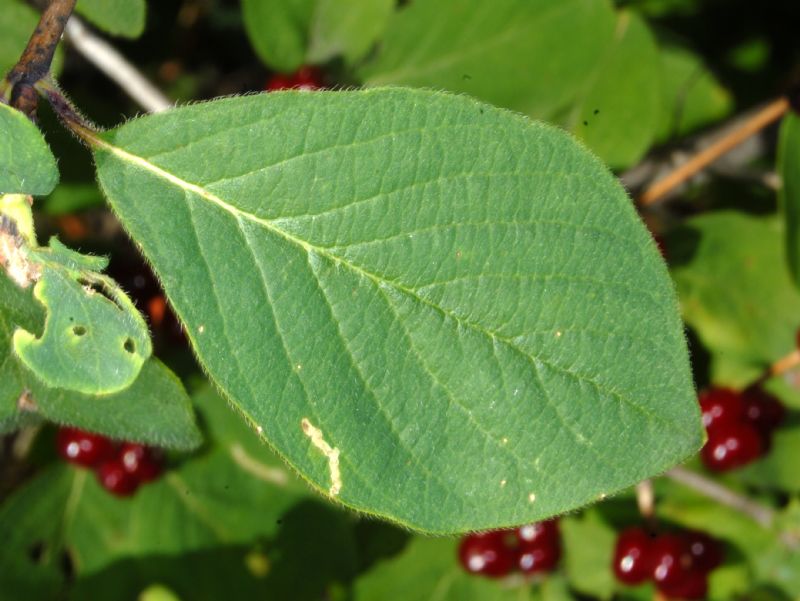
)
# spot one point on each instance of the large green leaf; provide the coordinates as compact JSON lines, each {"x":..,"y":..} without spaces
{"x":289,"y":33}
{"x":736,"y":292}
{"x":618,"y":111}
{"x":533,"y":56}
{"x":118,"y":17}
{"x":435,"y":310}
{"x":154,"y":409}
{"x":26,"y":164}
{"x":789,"y":168}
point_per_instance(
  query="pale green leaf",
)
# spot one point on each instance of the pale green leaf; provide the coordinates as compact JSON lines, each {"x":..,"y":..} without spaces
{"x":735,"y":289}
{"x":588,"y":552}
{"x":533,"y":56}
{"x":27,"y":165}
{"x":117,"y":17}
{"x":94,"y":340}
{"x":618,"y":111}
{"x":778,"y":468}
{"x":287,"y":34}
{"x":154,"y":409}
{"x":691,"y":95}
{"x":789,"y":169}
{"x":17,"y":22}
{"x":429,"y":569}
{"x":435,"y":310}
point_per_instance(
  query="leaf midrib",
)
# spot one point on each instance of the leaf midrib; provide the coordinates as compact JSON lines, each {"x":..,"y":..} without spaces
{"x":143,"y":163}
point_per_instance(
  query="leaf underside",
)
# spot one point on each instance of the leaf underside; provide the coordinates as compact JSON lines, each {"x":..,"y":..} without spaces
{"x":452,"y":311}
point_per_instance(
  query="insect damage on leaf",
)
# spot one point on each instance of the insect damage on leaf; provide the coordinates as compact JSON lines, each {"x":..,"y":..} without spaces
{"x":315,"y":434}
{"x":13,"y":256}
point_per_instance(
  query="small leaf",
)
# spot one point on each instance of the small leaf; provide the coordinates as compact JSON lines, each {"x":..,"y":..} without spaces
{"x":618,"y":111}
{"x":736,"y":292}
{"x":154,"y":409}
{"x":287,"y":34}
{"x":691,"y":95}
{"x":94,"y":340}
{"x":26,"y":164}
{"x":533,"y":57}
{"x":429,"y":569}
{"x":789,"y":169}
{"x":441,"y":311}
{"x":117,"y":17}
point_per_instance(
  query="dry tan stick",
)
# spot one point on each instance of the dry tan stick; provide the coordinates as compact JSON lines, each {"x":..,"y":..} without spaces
{"x":761,"y":514}
{"x":769,"y":114}
{"x":116,"y":67}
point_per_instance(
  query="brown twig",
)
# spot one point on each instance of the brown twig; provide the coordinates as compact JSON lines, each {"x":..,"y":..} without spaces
{"x":769,"y":114}
{"x":34,"y":64}
{"x":761,"y":514}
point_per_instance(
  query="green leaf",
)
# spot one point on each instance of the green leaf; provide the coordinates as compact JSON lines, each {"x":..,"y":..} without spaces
{"x":618,"y":111}
{"x":777,"y":469}
{"x":789,"y":169}
{"x":154,"y":409}
{"x":428,"y":569}
{"x":94,"y":340}
{"x":735,"y":290}
{"x":691,"y":95}
{"x":448,"y":338}
{"x":533,"y":56}
{"x":287,"y":34}
{"x":71,"y":198}
{"x":117,"y":17}
{"x":588,"y":553}
{"x":26,"y":164}
{"x":17,"y":22}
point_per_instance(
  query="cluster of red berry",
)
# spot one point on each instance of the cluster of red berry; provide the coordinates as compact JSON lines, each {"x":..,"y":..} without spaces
{"x":739,"y":426}
{"x":120,"y":467}
{"x":529,"y":549}
{"x":678,"y":563}
{"x":305,"y":78}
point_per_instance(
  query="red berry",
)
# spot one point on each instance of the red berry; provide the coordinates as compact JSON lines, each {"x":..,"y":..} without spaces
{"x":305,"y":78}
{"x":539,"y":533}
{"x":532,"y":559}
{"x":671,"y":560}
{"x":694,"y":585}
{"x":116,"y":480}
{"x":721,"y":406}
{"x":488,"y":553}
{"x":706,"y":551}
{"x":731,"y":446}
{"x":632,"y":556}
{"x":140,"y":462}
{"x":83,"y":448}
{"x":762,"y":410}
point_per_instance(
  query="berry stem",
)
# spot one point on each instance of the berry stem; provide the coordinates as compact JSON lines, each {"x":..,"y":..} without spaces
{"x":645,"y":499}
{"x":766,"y":116}
{"x":784,"y":364}
{"x":761,"y":514}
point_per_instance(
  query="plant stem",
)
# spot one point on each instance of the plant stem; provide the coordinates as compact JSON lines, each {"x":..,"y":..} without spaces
{"x":766,"y":116}
{"x":65,"y":110}
{"x":34,"y":64}
{"x":761,"y":514}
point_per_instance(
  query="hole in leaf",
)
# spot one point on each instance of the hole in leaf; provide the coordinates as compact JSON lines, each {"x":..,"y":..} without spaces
{"x":79,"y":330}
{"x":99,"y":288}
{"x":36,"y":551}
{"x":129,"y":345}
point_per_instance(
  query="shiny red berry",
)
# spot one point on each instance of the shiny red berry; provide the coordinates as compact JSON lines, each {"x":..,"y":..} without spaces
{"x":706,"y":551}
{"x":140,"y":461}
{"x":305,"y":78}
{"x":533,"y":559}
{"x":83,"y":448}
{"x":731,"y":446}
{"x":115,"y":479}
{"x":763,"y":410}
{"x":671,"y":560}
{"x":633,"y":557}
{"x":721,"y":406}
{"x":489,"y":553}
{"x":539,"y":533}
{"x":694,"y":585}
